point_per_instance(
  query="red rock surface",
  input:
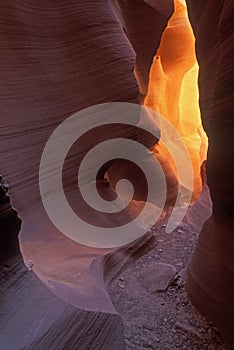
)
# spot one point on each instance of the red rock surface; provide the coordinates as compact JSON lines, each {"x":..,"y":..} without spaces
{"x":58,"y":60}
{"x":144,"y":23}
{"x":49,"y":72}
{"x":210,"y":275}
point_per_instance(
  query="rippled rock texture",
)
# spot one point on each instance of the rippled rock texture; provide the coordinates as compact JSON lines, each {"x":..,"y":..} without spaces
{"x":59,"y":59}
{"x":210,"y":274}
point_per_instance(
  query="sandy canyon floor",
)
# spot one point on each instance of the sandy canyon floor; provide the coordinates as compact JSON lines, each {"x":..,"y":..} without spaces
{"x":163,"y":320}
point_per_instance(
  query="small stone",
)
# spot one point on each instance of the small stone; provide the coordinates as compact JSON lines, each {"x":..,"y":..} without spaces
{"x":156,"y":256}
{"x":160,"y":250}
{"x":3,"y":186}
{"x":184,"y":337}
{"x":121,"y":285}
{"x":179,"y":280}
{"x":188,"y":330}
{"x":30,"y":265}
{"x":157,"y":278}
{"x":156,"y":340}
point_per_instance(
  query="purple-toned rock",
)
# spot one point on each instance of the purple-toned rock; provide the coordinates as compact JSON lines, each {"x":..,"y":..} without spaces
{"x":156,"y":278}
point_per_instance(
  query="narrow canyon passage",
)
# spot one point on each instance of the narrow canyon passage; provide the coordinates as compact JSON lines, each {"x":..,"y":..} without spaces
{"x":108,"y":55}
{"x":173,"y":89}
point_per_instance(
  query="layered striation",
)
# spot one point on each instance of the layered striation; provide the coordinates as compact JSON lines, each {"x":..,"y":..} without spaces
{"x":56,"y":61}
{"x":210,"y":278}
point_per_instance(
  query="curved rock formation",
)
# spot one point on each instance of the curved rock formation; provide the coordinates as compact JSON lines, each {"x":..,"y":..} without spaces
{"x":210,"y":277}
{"x":173,"y":90}
{"x":57,"y":60}
{"x":144,"y":21}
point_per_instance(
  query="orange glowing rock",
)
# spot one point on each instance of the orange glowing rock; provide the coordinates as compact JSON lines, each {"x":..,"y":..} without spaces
{"x":173,"y":88}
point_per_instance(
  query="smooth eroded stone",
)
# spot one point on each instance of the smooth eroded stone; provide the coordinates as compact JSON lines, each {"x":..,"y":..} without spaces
{"x":157,"y":278}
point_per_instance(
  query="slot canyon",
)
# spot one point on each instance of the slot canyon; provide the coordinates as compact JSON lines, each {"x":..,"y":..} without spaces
{"x":76,"y":76}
